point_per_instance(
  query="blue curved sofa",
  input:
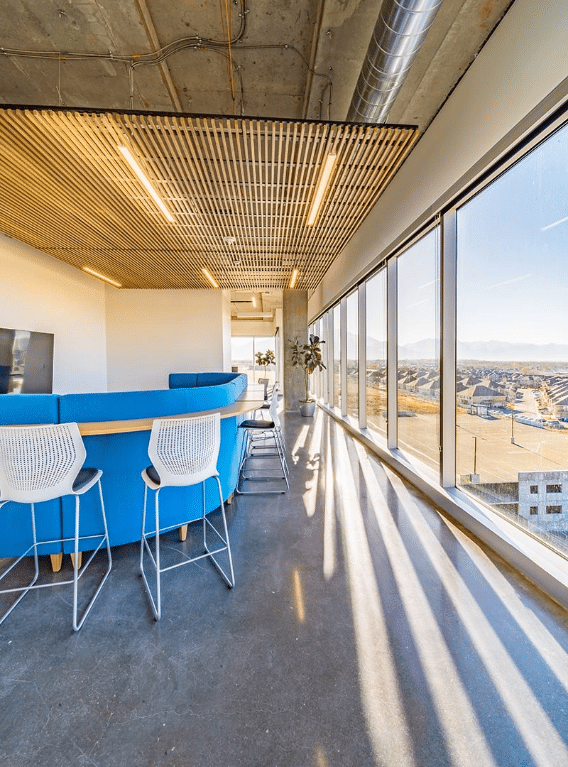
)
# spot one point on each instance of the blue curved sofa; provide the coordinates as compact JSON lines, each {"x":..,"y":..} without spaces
{"x":122,"y":457}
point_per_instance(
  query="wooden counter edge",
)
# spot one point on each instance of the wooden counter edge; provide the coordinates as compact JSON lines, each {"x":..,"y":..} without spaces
{"x":239,"y":407}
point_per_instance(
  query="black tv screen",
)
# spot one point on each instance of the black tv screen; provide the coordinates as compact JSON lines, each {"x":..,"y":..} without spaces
{"x":26,"y":362}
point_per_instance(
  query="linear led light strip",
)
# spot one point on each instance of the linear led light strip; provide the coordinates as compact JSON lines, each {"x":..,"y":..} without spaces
{"x":102,"y":277}
{"x":145,"y":181}
{"x":210,"y":277}
{"x":293,"y":278}
{"x":321,"y":188}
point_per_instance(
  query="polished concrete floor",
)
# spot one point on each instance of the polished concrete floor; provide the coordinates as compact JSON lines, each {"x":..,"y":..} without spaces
{"x":364,"y":630}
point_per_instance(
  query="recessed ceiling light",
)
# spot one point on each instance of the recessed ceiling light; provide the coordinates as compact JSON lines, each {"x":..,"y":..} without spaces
{"x":230,"y":240}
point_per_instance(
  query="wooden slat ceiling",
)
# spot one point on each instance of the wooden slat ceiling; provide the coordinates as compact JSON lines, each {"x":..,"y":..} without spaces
{"x":68,"y":191}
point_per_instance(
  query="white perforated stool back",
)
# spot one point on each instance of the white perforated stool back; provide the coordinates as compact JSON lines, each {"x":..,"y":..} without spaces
{"x":184,"y":451}
{"x":41,"y":463}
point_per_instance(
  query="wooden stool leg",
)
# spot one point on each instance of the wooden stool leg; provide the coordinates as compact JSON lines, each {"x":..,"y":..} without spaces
{"x":182,"y":532}
{"x":56,"y":562}
{"x":79,"y":558}
{"x":229,"y":500}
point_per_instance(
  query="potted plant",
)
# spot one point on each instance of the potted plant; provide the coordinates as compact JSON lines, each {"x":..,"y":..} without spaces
{"x":264,"y":359}
{"x":309,"y":358}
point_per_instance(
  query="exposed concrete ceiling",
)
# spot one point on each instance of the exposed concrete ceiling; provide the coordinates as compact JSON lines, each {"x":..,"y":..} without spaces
{"x":290,"y":59}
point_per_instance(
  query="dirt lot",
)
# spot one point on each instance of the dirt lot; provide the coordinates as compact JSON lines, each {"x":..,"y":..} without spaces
{"x":493,"y":454}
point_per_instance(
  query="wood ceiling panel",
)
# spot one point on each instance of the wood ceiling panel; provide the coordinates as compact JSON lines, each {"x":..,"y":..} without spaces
{"x":68,"y":191}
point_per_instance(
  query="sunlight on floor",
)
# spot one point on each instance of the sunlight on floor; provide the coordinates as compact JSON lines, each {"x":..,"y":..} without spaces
{"x":537,"y":731}
{"x":380,"y":691}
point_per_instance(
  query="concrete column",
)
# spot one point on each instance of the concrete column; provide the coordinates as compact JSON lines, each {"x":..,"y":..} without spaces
{"x":294,"y":325}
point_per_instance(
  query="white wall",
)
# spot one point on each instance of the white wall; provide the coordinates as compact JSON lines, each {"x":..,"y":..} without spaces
{"x":151,"y":333}
{"x":523,"y":61}
{"x":40,"y":293}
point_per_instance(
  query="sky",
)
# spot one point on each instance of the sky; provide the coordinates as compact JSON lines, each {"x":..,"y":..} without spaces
{"x":512,"y":266}
{"x":513,"y":252}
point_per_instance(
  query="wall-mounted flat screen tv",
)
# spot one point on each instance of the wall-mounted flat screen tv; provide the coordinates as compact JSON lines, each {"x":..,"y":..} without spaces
{"x":26,"y":362}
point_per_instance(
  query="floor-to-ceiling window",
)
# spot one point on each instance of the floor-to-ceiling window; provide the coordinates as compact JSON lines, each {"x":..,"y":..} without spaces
{"x":352,"y":360}
{"x":376,"y":373}
{"x":244,"y":351}
{"x":316,"y":388}
{"x":337,"y":355}
{"x":418,"y":373}
{"x":327,"y":355}
{"x":512,"y":341}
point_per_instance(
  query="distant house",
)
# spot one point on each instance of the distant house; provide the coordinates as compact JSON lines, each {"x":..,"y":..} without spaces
{"x":431,"y":388}
{"x":481,"y":395}
{"x":557,"y":396}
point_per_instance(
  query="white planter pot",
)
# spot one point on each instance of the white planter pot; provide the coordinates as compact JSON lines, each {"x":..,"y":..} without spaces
{"x":307,"y":408}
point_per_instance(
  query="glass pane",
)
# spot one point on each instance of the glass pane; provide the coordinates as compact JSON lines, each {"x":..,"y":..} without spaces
{"x":326,"y":355}
{"x":353,"y":355}
{"x":376,"y":373}
{"x":318,"y":374}
{"x":512,"y":342}
{"x":418,"y":372}
{"x":264,"y":352}
{"x":314,"y":382}
{"x":242,"y":354}
{"x":337,"y":356}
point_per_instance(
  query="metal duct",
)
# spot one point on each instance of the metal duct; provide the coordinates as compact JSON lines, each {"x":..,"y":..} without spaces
{"x":399,"y":32}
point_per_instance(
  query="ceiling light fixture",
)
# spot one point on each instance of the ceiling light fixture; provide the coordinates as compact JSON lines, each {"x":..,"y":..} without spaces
{"x":293,"y":278}
{"x":210,"y":277}
{"x":254,"y":302}
{"x":230,"y":240}
{"x":102,"y":277}
{"x":254,"y":315}
{"x":321,"y":188}
{"x":146,"y":182}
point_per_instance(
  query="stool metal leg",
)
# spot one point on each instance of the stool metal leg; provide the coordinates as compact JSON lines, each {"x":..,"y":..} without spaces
{"x":76,"y":573}
{"x":23,"y":589}
{"x":157,"y":603}
{"x":228,"y":577}
{"x":229,"y":580}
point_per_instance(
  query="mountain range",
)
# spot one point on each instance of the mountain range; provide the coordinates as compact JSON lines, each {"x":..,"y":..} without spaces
{"x":492,"y":351}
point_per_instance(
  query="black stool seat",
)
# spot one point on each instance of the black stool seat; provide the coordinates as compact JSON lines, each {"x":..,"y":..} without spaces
{"x":252,"y":424}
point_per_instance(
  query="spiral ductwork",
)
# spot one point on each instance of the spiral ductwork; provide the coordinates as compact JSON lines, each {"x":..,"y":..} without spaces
{"x":398,"y":34}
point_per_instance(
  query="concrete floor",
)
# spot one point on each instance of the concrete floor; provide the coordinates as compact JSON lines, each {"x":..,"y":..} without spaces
{"x":364,"y":630}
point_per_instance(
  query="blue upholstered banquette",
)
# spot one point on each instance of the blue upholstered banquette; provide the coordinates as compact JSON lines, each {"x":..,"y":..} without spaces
{"x":123,"y":456}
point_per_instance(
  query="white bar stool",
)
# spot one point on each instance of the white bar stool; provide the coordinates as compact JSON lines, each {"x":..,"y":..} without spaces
{"x":183,"y":452}
{"x":40,"y":463}
{"x":263,"y":440}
